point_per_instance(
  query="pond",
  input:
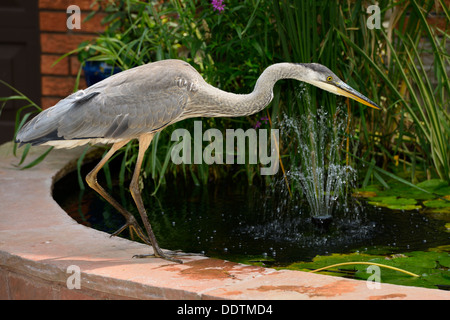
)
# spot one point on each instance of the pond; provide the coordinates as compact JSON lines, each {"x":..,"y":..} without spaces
{"x":253,"y":224}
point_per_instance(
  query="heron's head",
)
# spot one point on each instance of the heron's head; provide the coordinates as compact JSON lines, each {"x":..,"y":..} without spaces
{"x":322,"y":77}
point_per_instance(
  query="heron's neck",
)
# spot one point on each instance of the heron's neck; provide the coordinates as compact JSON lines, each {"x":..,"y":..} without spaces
{"x":224,"y":104}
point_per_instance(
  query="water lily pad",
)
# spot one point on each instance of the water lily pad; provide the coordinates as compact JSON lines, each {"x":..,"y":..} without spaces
{"x":386,"y":200}
{"x":395,"y":203}
{"x":404,"y":197}
{"x":432,"y":267}
{"x":322,"y":261}
{"x":395,"y":207}
{"x":445,"y":192}
{"x":404,"y":207}
{"x":432,"y":184}
{"x":439,"y":203}
{"x":436,"y":186}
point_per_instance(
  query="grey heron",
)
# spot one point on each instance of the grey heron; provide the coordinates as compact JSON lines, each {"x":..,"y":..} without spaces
{"x":139,"y":102}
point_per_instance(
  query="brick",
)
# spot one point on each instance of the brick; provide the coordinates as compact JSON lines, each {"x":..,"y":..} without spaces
{"x":82,"y":84}
{"x":47,"y":67}
{"x":93,"y":25}
{"x":57,"y":86}
{"x":63,"y":4}
{"x":74,"y":65}
{"x":61,"y":43}
{"x":47,"y":102}
{"x":54,"y":86}
{"x":52,"y":21}
{"x":56,"y":21}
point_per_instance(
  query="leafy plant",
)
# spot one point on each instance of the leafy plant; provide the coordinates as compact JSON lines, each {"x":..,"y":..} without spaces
{"x":417,"y":111}
{"x":20,"y":121}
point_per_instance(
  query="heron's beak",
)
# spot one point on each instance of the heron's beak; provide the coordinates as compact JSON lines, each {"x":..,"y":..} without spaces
{"x":347,"y":91}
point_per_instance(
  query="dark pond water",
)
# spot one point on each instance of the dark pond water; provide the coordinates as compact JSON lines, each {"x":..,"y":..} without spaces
{"x":230,"y":220}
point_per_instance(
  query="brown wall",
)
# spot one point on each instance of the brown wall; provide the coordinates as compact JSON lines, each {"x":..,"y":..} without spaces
{"x":56,"y":39}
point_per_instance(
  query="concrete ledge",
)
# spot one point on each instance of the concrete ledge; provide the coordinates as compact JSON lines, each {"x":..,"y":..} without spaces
{"x":39,"y":241}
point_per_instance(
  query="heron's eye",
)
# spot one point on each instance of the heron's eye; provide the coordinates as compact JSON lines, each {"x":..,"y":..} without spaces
{"x":329,"y":78}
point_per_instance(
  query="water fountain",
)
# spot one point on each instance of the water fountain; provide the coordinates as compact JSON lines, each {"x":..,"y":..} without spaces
{"x":321,"y":174}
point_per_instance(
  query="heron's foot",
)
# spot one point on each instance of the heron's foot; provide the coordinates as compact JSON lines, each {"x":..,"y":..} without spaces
{"x":134,"y":227}
{"x":167,"y":256}
{"x":164,"y":256}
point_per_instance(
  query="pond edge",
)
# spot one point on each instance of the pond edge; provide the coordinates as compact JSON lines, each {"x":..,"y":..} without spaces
{"x":45,"y":254}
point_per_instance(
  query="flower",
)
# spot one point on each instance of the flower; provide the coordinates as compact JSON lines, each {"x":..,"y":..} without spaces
{"x":265,"y":119}
{"x":218,"y":5}
{"x":257,"y":125}
{"x":396,"y":158}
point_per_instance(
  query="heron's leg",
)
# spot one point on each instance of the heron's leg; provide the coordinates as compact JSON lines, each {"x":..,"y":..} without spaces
{"x":91,"y":179}
{"x":144,"y":142}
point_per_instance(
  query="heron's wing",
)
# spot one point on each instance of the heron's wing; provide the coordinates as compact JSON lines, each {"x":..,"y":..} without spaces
{"x":44,"y":126}
{"x":139,"y":100}
{"x":124,"y":111}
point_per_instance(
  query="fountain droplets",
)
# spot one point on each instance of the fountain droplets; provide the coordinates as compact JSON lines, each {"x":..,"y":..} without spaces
{"x":321,"y":173}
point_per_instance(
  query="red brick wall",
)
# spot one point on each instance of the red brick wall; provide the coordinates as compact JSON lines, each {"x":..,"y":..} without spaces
{"x":56,"y":39}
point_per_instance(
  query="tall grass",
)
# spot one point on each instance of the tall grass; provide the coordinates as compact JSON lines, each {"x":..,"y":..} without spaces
{"x":309,"y":31}
{"x":306,"y":34}
{"x":415,"y":125}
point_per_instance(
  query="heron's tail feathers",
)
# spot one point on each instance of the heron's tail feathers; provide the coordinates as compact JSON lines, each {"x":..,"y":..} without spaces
{"x":44,"y":127}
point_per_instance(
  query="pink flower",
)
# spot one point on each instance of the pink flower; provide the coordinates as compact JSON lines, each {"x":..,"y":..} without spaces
{"x":218,"y":5}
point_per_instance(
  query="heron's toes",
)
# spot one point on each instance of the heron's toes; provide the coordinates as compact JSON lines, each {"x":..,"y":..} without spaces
{"x":165,"y":257}
{"x":160,"y":255}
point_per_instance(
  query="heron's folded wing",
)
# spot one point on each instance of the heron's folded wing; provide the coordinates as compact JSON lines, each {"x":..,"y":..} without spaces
{"x":44,"y":126}
{"x":125,"y":112}
{"x":125,"y":105}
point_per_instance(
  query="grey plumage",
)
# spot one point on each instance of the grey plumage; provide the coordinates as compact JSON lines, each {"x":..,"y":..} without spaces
{"x":143,"y":99}
{"x":147,"y":99}
{"x":136,"y":103}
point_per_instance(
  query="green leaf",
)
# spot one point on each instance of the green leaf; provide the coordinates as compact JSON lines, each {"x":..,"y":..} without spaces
{"x":38,"y":159}
{"x":436,"y":203}
{"x":79,"y":164}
